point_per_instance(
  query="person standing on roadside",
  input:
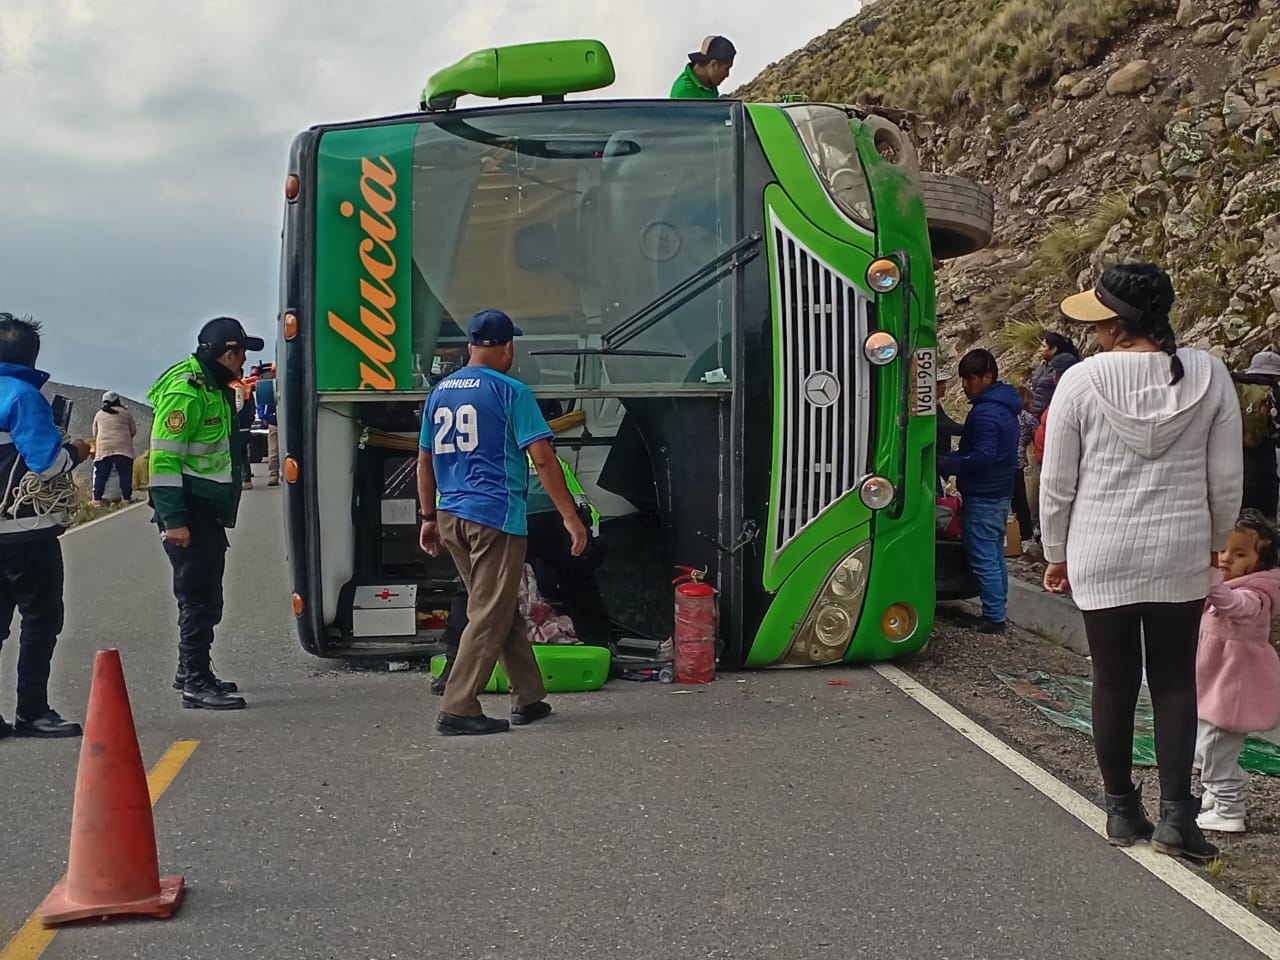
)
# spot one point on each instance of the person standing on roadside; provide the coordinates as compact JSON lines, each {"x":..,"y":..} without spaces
{"x":478,"y":425}
{"x":1140,"y":489}
{"x":1259,"y":391}
{"x":113,"y":432}
{"x":31,"y":573}
{"x":984,"y":468}
{"x":708,"y":67}
{"x":267,"y":414}
{"x":197,"y":465}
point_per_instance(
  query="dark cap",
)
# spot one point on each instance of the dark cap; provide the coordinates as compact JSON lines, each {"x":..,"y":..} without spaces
{"x":1062,"y":362}
{"x":491,"y":328}
{"x":225,"y":333}
{"x":714,"y":48}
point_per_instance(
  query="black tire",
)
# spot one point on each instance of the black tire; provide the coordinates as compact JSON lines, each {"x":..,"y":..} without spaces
{"x":961,"y":215}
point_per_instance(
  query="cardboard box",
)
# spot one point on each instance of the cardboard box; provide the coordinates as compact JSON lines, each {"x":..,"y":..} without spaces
{"x":385,"y":610}
{"x":1012,"y":539}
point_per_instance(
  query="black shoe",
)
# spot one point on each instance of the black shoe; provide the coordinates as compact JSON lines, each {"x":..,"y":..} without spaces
{"x":226,"y":686}
{"x":5,"y":729}
{"x":1127,"y":819}
{"x":1178,"y":835}
{"x":452,"y":725}
{"x":990,"y":626}
{"x":530,"y":712}
{"x":205,"y":696}
{"x":48,"y":726}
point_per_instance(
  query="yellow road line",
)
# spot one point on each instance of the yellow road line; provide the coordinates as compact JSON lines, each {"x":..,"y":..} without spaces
{"x":32,"y":939}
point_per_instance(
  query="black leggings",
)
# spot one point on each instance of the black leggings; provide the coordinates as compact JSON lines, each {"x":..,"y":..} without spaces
{"x":1115,"y":643}
{"x":1022,"y":507}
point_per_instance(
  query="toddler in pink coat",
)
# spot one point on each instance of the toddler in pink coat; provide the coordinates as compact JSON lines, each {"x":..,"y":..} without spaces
{"x":1237,"y":669}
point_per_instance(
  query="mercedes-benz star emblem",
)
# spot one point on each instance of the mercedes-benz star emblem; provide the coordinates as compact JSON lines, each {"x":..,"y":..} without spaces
{"x":822,"y":389}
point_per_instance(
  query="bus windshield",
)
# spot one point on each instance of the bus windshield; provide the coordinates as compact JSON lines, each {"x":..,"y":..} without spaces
{"x":572,"y":219}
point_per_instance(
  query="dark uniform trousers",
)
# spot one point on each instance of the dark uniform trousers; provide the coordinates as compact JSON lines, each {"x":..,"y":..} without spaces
{"x":197,"y":584}
{"x":31,"y":582}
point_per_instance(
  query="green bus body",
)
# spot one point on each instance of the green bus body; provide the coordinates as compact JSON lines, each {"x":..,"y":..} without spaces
{"x":769,"y":417}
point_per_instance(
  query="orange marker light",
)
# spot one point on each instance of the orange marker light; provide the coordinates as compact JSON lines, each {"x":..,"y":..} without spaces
{"x":292,"y":187}
{"x":290,"y":325}
{"x":297,"y":605}
{"x":290,"y":470}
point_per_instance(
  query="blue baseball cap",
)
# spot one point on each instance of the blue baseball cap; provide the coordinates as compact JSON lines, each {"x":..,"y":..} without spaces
{"x":491,"y":328}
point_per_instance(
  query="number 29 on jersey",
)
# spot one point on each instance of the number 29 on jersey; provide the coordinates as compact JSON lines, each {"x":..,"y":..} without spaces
{"x":456,"y":430}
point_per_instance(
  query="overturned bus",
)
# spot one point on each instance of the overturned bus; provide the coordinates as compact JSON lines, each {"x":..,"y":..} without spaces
{"x":731,"y":304}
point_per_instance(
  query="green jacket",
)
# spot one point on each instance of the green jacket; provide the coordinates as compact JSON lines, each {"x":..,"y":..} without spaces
{"x":540,"y":501}
{"x":192,"y":456}
{"x":689,"y":87}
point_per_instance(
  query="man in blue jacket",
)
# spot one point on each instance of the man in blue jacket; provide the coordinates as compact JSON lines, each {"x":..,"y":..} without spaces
{"x":32,"y":452}
{"x":984,"y":468}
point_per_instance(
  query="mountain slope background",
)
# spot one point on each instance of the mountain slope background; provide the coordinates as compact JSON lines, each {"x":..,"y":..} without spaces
{"x":1109,"y":130}
{"x":87,"y":401}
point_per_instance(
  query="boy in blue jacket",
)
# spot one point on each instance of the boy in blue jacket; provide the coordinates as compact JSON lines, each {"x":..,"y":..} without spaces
{"x":32,"y":450}
{"x":984,"y":468}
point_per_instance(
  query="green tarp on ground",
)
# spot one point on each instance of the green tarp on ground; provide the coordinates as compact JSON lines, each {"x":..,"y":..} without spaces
{"x":1067,"y":702}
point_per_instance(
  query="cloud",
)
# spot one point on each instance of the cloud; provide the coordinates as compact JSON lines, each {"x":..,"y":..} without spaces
{"x":146,"y":142}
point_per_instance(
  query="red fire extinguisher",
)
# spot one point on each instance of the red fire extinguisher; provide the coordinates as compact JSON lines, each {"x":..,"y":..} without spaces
{"x":695,"y":635}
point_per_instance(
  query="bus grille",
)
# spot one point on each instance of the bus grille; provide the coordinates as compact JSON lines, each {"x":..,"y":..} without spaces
{"x":824,"y":405}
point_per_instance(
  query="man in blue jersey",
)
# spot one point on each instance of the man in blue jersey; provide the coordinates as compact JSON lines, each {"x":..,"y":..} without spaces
{"x":479,"y":428}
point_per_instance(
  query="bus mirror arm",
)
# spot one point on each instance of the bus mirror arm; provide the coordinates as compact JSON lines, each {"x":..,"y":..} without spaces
{"x":750,"y":531}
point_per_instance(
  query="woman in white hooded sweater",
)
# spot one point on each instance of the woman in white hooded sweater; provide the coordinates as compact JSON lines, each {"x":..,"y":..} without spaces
{"x":1141,"y":485}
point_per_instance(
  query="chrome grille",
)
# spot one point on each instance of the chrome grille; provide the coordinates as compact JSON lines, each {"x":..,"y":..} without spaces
{"x":824,"y":396}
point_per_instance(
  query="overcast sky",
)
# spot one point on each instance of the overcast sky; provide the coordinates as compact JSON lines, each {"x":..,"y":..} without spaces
{"x":145,"y":140}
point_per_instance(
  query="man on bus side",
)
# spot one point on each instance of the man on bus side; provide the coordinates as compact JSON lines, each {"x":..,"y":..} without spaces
{"x":477,"y":427}
{"x":197,"y":468}
{"x":984,"y":468}
{"x":708,"y":67}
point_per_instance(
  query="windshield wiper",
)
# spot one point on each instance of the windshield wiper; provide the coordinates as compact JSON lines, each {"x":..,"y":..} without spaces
{"x":677,"y":296}
{"x":605,"y":352}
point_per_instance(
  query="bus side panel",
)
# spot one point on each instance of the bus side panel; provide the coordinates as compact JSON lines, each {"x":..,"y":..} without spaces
{"x":295,"y":374}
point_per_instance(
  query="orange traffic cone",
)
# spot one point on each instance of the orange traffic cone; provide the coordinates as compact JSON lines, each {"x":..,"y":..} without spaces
{"x":112,"y":869}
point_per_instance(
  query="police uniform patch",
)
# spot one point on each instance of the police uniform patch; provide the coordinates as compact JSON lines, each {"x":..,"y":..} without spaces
{"x":176,"y":421}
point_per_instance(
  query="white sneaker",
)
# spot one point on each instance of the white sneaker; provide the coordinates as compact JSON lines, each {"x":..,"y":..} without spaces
{"x":1206,"y":802}
{"x":1211,"y":820}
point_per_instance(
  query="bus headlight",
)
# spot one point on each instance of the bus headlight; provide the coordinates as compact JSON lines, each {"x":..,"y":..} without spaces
{"x":825,"y":632}
{"x":880,"y":348}
{"x":883,"y":275}
{"x":876,"y":492}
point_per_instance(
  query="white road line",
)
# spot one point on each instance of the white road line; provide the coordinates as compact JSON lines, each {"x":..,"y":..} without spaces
{"x":1260,"y":935}
{"x":109,"y":516}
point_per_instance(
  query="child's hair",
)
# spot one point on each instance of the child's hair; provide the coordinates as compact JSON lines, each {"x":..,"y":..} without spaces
{"x":1028,"y":398}
{"x":1268,"y":538}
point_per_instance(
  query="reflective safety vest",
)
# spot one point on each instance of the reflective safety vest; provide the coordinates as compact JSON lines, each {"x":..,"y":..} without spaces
{"x":192,"y":456}
{"x":537,"y":493}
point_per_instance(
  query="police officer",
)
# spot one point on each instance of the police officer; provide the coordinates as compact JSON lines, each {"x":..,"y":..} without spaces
{"x":478,"y":422}
{"x":197,"y":468}
{"x":30,"y":556}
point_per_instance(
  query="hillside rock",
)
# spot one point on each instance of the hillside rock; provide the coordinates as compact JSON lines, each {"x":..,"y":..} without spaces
{"x":1132,"y":78}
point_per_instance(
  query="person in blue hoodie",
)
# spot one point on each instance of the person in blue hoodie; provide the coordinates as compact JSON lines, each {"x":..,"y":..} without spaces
{"x":31,"y":446}
{"x":984,"y":467}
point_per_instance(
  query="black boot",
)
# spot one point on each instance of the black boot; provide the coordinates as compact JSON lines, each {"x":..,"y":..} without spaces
{"x":1127,"y":819}
{"x":1178,"y":835}
{"x":226,"y":686}
{"x":202,"y":693}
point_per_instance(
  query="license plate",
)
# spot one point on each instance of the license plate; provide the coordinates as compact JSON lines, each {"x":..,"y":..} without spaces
{"x":924,"y":366}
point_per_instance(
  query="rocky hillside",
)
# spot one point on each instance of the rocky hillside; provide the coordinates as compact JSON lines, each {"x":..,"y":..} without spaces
{"x":1108,"y":129}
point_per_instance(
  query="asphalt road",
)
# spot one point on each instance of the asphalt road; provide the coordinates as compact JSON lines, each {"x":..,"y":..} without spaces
{"x":775,"y":817}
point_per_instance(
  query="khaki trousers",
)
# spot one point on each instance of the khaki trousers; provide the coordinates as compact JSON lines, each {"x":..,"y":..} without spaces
{"x":491,"y":564}
{"x":273,"y":452}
